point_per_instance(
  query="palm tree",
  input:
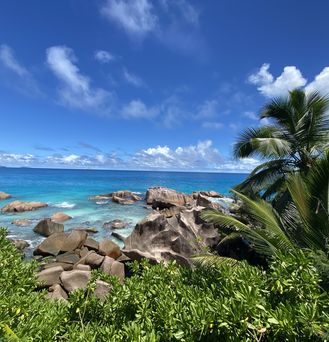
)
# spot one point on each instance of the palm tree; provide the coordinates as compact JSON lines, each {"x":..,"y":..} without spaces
{"x":297,"y":136}
{"x":303,"y":224}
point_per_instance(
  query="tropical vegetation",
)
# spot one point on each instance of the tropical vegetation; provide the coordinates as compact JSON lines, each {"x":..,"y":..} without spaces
{"x":170,"y":303}
{"x":295,"y":136}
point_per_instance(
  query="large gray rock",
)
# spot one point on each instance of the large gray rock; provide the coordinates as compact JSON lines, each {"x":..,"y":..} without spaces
{"x":68,"y":257}
{"x":50,"y":276}
{"x":47,"y":227}
{"x":213,"y":194}
{"x":102,"y":289}
{"x":75,"y":279}
{"x":52,"y":245}
{"x":109,"y":248}
{"x":204,"y":201}
{"x":56,"y":292}
{"x":74,"y":240}
{"x":113,"y":267}
{"x":176,"y":238}
{"x":19,"y":206}
{"x":163,"y":198}
{"x":20,"y":244}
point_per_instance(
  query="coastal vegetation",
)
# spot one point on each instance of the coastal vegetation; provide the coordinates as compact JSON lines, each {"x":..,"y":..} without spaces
{"x":170,"y":303}
{"x":281,"y":213}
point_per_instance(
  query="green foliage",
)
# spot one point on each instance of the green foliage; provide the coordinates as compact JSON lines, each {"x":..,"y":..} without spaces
{"x":170,"y":303}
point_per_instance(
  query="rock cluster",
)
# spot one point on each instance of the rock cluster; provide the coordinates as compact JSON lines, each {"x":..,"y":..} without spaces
{"x":164,"y":198}
{"x":20,"y":206}
{"x":121,"y":197}
{"x":71,"y":257}
{"x":179,"y":237}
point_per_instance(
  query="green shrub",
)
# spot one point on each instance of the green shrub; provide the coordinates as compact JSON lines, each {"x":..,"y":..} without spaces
{"x":241,"y":303}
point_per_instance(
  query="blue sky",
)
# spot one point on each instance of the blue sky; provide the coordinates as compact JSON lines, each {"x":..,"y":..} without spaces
{"x":163,"y":84}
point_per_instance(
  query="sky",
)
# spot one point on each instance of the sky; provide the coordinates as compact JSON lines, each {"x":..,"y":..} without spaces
{"x":150,"y":84}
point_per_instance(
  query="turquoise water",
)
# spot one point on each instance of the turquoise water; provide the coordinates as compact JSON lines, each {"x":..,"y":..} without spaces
{"x":68,"y":191}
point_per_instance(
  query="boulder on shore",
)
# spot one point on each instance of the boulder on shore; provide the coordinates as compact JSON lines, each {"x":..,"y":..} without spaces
{"x":75,"y":279}
{"x":163,"y":198}
{"x":20,"y":206}
{"x":20,"y":244}
{"x":179,"y":237}
{"x":115,"y":224}
{"x":213,"y":194}
{"x":52,"y":245}
{"x":121,"y":197}
{"x":60,"y":217}
{"x":109,"y":248}
{"x":50,"y":276}
{"x":4,"y":195}
{"x":47,"y":227}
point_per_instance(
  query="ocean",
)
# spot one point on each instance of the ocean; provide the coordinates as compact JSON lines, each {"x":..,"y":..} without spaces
{"x":68,"y":191}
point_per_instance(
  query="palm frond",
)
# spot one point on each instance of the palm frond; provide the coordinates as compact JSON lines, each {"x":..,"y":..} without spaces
{"x":212,"y":260}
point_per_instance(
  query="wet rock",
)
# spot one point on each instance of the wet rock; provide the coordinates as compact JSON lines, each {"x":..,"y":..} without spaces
{"x":109,"y":248}
{"x":50,"y":276}
{"x":47,"y":227}
{"x":203,"y":201}
{"x":92,"y":230}
{"x":162,"y":198}
{"x":74,"y":240}
{"x":56,"y":292}
{"x":20,"y":244}
{"x":52,"y":245}
{"x":20,"y":206}
{"x":115,"y":224}
{"x":21,"y":222}
{"x":102,"y":289}
{"x":75,"y":279}
{"x":118,"y":236}
{"x":100,"y":197}
{"x":60,"y":217}
{"x":4,"y":195}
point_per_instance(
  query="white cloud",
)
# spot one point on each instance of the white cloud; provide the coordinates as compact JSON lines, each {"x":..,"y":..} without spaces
{"x":193,"y":157}
{"x":103,"y":56}
{"x":208,"y":109}
{"x":187,"y":11}
{"x":136,"y":17}
{"x":290,"y":78}
{"x":212,"y":125}
{"x":9,"y":61}
{"x":18,"y":77}
{"x":76,"y":90}
{"x":138,"y":109}
{"x":198,"y":157}
{"x":320,"y":82}
{"x":132,"y":78}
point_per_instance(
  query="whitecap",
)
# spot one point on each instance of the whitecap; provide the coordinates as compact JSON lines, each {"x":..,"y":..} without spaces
{"x":64,"y":205}
{"x":102,"y":202}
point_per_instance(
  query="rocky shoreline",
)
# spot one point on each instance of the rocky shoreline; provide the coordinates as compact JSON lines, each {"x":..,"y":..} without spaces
{"x":174,"y":230}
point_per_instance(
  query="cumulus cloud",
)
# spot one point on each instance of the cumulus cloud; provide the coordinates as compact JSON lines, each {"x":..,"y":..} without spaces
{"x":17,"y":159}
{"x":132,"y":79}
{"x":136,"y":17}
{"x":197,"y":157}
{"x":103,"y":56}
{"x":320,"y":82}
{"x":21,"y":78}
{"x":268,"y":86}
{"x":138,"y":109}
{"x":251,"y":115}
{"x":76,"y":90}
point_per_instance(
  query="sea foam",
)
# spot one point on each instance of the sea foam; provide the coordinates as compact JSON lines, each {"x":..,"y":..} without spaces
{"x":66,"y":205}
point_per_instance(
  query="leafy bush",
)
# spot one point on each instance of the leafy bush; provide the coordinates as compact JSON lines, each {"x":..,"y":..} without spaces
{"x":158,"y":303}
